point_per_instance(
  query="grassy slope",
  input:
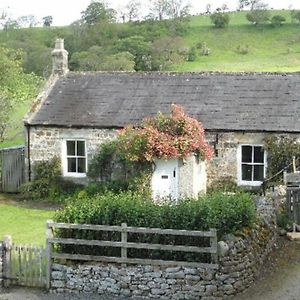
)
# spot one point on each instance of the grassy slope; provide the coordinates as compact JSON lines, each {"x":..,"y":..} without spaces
{"x":25,"y":225}
{"x":270,"y":49}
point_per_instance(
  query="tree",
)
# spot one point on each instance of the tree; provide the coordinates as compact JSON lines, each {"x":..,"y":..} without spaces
{"x":277,"y":20}
{"x":158,"y":9}
{"x":163,"y":9}
{"x":220,"y":19}
{"x":15,"y":86}
{"x":27,"y":21}
{"x":138,"y":47}
{"x":254,"y":4}
{"x":132,"y":9}
{"x":295,"y":15}
{"x":47,"y":21}
{"x":165,"y":52}
{"x":10,"y":24}
{"x":258,"y":16}
{"x":178,"y":9}
{"x":98,"y":12}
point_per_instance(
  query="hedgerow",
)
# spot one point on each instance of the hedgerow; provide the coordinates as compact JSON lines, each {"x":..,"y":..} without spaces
{"x":226,"y":213}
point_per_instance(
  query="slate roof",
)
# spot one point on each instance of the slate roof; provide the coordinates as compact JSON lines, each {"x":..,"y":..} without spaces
{"x":233,"y":101}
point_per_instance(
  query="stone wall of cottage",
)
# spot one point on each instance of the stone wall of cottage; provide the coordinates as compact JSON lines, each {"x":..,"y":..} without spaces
{"x":241,"y":258}
{"x":47,"y":142}
{"x":1,"y":264}
{"x":225,"y":161}
{"x":192,"y":177}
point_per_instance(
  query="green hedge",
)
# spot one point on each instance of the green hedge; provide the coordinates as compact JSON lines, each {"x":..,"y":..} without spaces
{"x":226,"y":213}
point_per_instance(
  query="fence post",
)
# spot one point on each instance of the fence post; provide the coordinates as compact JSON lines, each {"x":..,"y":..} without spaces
{"x":214,"y":245}
{"x":7,"y":260}
{"x":49,"y":235}
{"x":124,"y":241}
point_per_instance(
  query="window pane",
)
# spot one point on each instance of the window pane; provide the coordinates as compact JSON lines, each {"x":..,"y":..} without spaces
{"x":80,"y":148}
{"x":72,"y":165}
{"x":247,"y":172}
{"x":81,"y":165}
{"x":258,"y":173}
{"x":71,"y":148}
{"x":258,"y":154}
{"x":246,"y":153}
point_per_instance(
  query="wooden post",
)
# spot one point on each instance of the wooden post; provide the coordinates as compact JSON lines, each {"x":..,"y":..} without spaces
{"x":49,"y":235}
{"x":294,"y":164}
{"x":214,"y":245}
{"x":124,"y":241}
{"x":7,"y":260}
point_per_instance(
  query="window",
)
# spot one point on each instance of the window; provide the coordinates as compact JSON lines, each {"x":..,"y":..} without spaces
{"x":75,"y":158}
{"x":252,"y":165}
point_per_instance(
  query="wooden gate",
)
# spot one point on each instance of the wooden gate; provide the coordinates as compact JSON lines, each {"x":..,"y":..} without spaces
{"x":293,"y":203}
{"x":12,"y":169}
{"x":25,"y":265}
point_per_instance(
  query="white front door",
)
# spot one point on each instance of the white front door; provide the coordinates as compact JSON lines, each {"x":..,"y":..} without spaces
{"x":165,"y":179}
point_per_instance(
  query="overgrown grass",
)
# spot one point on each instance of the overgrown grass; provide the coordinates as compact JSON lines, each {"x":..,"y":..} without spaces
{"x":26,"y":225}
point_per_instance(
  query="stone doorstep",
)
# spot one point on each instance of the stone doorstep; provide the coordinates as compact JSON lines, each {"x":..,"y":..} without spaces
{"x":293,"y":236}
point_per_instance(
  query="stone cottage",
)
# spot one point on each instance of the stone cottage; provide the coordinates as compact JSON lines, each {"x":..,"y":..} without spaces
{"x":78,"y":111}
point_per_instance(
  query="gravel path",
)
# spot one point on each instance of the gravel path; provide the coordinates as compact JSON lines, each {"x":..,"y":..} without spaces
{"x":279,"y":280}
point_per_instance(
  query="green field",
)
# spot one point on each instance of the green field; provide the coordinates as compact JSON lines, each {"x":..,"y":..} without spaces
{"x":26,"y":225}
{"x":270,"y":49}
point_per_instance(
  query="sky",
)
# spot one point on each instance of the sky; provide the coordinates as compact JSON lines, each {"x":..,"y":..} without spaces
{"x":65,"y":12}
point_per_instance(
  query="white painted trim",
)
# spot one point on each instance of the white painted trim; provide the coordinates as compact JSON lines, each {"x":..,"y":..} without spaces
{"x":65,"y":162}
{"x":239,"y":166}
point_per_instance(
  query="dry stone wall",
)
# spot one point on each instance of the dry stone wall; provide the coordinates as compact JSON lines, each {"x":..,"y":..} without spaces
{"x":1,"y":264}
{"x":241,"y":258}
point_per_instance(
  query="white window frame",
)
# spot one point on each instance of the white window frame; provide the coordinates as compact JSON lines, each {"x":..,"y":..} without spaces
{"x":239,"y":166}
{"x":65,"y":158}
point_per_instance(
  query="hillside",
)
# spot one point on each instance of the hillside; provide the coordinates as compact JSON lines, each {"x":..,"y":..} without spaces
{"x":241,"y":47}
{"x":270,"y":49}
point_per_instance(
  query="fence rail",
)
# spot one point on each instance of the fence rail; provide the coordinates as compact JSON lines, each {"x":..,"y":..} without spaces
{"x":124,"y":245}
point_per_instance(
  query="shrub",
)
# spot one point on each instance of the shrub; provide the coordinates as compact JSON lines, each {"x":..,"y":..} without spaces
{"x":220,"y":20}
{"x":281,"y":150}
{"x":242,"y":49}
{"x":47,"y":183}
{"x":204,"y":50}
{"x":224,"y":184}
{"x":226,"y":213}
{"x":277,"y":20}
{"x":258,"y":16}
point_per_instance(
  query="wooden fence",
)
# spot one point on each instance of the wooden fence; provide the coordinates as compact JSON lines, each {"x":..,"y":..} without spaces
{"x":293,"y":203}
{"x":24,"y":265}
{"x":124,"y":245}
{"x":12,"y":169}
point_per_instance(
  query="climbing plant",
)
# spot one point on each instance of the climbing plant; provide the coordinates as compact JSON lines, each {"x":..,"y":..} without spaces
{"x":165,"y":136}
{"x":128,"y":158}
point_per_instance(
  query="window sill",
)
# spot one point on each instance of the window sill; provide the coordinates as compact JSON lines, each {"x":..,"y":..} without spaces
{"x":75,"y":175}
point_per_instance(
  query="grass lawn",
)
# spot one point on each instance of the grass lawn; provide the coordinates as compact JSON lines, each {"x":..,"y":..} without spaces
{"x":22,"y":221}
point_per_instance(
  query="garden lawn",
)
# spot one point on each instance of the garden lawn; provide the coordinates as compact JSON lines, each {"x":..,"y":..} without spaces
{"x":26,"y":225}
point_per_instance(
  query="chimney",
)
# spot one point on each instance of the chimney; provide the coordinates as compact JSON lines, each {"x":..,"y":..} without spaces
{"x":59,"y":58}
